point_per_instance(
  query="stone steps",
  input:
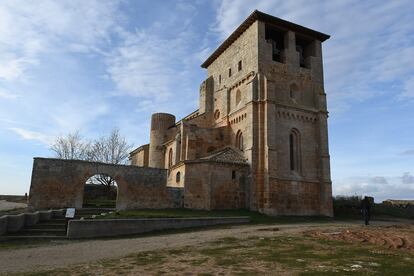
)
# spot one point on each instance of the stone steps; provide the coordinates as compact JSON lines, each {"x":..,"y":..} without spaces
{"x":33,"y":237}
{"x":40,"y":232}
{"x":54,"y":228}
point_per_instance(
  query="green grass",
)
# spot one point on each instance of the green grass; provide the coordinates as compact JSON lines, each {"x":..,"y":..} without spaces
{"x":260,"y":255}
{"x":349,"y":207}
{"x":255,"y":217}
{"x":99,"y":203}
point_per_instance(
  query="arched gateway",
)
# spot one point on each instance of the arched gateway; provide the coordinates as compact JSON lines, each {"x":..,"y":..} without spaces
{"x":58,"y":183}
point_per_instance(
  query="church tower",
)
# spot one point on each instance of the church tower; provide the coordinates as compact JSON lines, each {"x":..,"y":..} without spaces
{"x":268,"y":85}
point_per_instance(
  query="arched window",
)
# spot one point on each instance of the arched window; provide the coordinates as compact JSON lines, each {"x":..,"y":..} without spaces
{"x":294,"y":150}
{"x":293,"y":91}
{"x":170,"y":158}
{"x":177,"y":177}
{"x":217,"y":114}
{"x":238,"y":97}
{"x":239,"y":140}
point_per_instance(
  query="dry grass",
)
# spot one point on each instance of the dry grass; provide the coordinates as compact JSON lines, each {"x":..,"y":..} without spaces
{"x":261,"y":254}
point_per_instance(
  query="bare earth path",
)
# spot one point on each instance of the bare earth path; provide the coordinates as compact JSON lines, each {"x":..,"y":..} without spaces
{"x":56,"y":256}
{"x":6,"y":205}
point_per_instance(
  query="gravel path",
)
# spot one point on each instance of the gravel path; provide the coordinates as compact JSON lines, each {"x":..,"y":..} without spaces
{"x":55,"y":256}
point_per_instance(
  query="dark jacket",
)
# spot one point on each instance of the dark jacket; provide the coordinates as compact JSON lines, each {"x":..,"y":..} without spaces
{"x":365,"y":204}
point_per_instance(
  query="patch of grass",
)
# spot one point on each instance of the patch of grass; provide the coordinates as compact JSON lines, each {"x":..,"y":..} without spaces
{"x":99,"y":203}
{"x":261,"y":255}
{"x":146,"y":258}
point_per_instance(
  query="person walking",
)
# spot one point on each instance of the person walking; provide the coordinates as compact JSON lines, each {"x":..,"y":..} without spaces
{"x":366,"y":209}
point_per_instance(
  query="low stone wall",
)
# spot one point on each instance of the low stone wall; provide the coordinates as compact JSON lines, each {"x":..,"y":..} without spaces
{"x":116,"y":227}
{"x":14,"y":223}
{"x":3,"y":225}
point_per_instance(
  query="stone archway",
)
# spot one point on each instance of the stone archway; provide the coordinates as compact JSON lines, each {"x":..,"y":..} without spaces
{"x":100,"y":191}
{"x":58,"y":183}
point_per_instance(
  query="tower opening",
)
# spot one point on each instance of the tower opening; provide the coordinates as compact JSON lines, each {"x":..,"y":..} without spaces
{"x":305,"y":50}
{"x":276,"y":38}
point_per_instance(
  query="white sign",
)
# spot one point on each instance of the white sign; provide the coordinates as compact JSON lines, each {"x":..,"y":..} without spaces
{"x":70,"y":213}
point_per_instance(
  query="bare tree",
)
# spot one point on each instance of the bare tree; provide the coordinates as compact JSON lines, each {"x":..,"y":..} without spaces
{"x":111,"y":149}
{"x":70,"y":146}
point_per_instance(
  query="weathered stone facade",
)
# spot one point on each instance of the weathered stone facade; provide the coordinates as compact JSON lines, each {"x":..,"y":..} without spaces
{"x":259,"y":139}
{"x":263,"y":97}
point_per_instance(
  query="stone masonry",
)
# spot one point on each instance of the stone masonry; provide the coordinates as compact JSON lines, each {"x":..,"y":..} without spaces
{"x":259,"y":139}
{"x":264,"y":98}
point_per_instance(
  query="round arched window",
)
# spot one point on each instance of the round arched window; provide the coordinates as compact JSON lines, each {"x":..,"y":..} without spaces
{"x":238,"y":96}
{"x":293,"y":91}
{"x":170,"y":158}
{"x":217,"y":114}
{"x":239,"y":140}
{"x":177,"y":177}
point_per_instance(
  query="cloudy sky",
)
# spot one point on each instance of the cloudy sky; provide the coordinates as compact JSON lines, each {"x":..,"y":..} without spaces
{"x":92,"y":65}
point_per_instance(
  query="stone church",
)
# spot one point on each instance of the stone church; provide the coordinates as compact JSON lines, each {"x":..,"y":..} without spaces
{"x":259,"y":139}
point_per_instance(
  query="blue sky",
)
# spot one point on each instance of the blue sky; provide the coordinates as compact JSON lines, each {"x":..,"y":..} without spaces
{"x":92,"y":65}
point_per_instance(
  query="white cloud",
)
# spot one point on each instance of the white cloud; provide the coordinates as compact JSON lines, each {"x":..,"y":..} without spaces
{"x":8,"y":95}
{"x":407,"y":178}
{"x":379,"y":180}
{"x":376,"y":187}
{"x":141,"y":66}
{"x":33,"y":135}
{"x":31,"y":28}
{"x":155,"y":65}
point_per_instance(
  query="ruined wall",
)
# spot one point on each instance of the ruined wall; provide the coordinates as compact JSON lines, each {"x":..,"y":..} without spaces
{"x":210,"y":185}
{"x":58,"y":183}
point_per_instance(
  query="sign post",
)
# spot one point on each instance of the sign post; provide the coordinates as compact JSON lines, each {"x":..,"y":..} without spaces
{"x":70,"y":214}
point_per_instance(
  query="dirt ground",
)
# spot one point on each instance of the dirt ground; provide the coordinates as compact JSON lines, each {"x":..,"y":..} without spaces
{"x":397,"y":236}
{"x":6,"y":205}
{"x":248,"y":249}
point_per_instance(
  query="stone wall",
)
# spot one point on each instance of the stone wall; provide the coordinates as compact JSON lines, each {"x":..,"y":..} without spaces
{"x":116,"y":227}
{"x":140,"y":156}
{"x":58,"y":183}
{"x":243,"y":49}
{"x":210,"y":185}
{"x":288,"y":197}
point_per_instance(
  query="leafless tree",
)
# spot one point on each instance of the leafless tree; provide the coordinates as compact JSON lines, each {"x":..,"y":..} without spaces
{"x":111,"y":149}
{"x":70,"y":146}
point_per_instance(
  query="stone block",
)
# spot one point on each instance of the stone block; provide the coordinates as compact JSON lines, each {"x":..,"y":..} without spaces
{"x":15,"y":222}
{"x":3,"y":224}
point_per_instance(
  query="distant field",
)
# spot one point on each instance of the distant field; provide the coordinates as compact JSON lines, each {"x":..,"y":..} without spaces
{"x":14,"y":198}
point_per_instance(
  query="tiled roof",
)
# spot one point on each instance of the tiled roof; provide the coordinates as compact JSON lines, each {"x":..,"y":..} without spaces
{"x":226,"y":155}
